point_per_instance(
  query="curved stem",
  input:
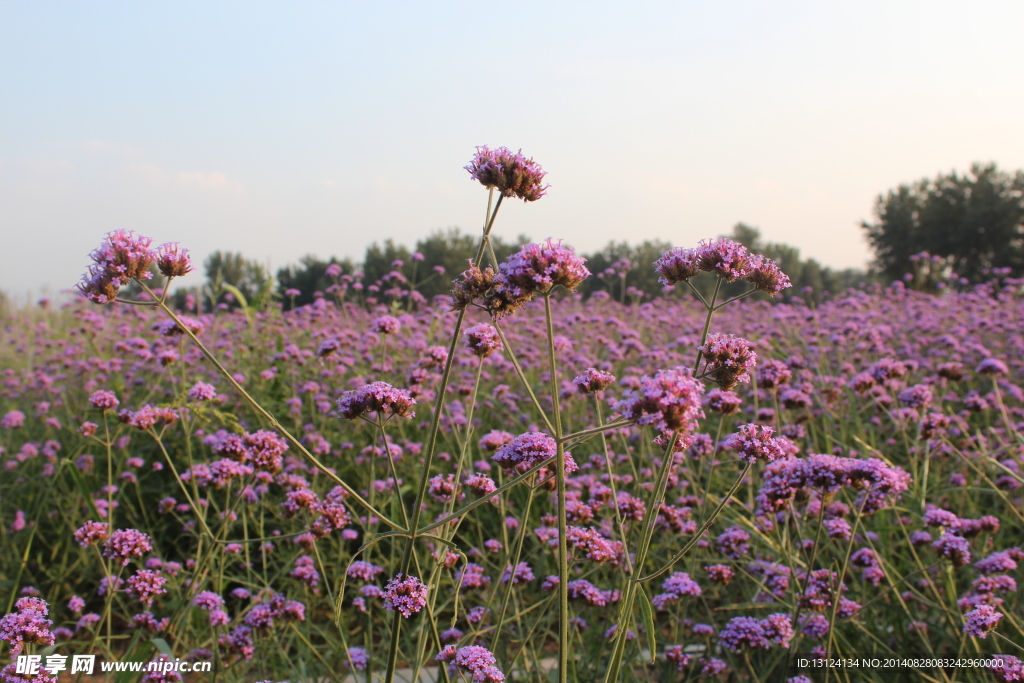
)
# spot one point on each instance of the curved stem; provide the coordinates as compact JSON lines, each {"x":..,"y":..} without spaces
{"x":431,"y":443}
{"x":353,"y":494}
{"x":704,"y":527}
{"x":626,"y":609}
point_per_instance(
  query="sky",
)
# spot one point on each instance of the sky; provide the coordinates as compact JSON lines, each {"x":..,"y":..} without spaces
{"x":280,"y":129}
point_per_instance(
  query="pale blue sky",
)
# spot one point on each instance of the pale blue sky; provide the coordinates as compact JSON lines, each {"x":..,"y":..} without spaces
{"x":285,"y":128}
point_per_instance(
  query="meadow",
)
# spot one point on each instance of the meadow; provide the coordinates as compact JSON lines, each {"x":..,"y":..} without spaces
{"x":516,"y":482}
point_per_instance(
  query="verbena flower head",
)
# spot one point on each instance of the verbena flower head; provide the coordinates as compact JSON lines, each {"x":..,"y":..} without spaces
{"x":145,"y":585}
{"x":474,"y":660}
{"x":122,"y":257}
{"x":765,"y":275}
{"x":407,"y":594}
{"x":727,"y":258}
{"x":980,"y":621}
{"x":92,"y":532}
{"x":172,"y":260}
{"x":483,"y":340}
{"x":757,"y":442}
{"x":527,"y":450}
{"x":472,"y":284}
{"x":376,"y":397}
{"x":27,"y":624}
{"x":535,"y":269}
{"x":593,"y":381}
{"x":104,"y":400}
{"x":671,"y":401}
{"x":677,"y":265}
{"x":510,"y":173}
{"x":13,"y":419}
{"x":729,"y":359}
{"x":124,"y":544}
{"x":386,"y":324}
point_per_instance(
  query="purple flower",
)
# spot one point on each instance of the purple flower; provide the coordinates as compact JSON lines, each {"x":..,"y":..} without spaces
{"x":407,"y":594}
{"x":172,"y":260}
{"x":124,"y":544}
{"x":723,"y":402}
{"x":765,"y":275}
{"x":675,"y":654}
{"x":670,"y":401}
{"x":208,"y":600}
{"x":103,"y":400}
{"x":593,"y":381}
{"x":474,"y":660}
{"x":528,"y":450}
{"x":385,"y":324}
{"x":757,"y":442}
{"x":28,"y":624}
{"x":953,"y":547}
{"x":535,"y":269}
{"x":12,"y":420}
{"x":728,"y":359}
{"x":123,"y":256}
{"x":483,"y":340}
{"x":305,"y":571}
{"x":725,"y":257}
{"x":376,"y":397}
{"x":364,"y":571}
{"x":202,"y":391}
{"x":92,"y":532}
{"x":145,"y":585}
{"x":522,"y":574}
{"x":511,"y":174}
{"x":981,"y":621}
{"x":677,"y":265}
{"x":265,"y":449}
{"x":359,"y":658}
{"x":992,"y":367}
{"x":720,"y":573}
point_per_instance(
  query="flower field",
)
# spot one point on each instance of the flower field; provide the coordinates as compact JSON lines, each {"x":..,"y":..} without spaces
{"x":515,"y":483}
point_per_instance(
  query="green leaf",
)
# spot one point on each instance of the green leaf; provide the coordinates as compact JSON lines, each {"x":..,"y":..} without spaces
{"x":162,"y":646}
{"x":647,"y":612}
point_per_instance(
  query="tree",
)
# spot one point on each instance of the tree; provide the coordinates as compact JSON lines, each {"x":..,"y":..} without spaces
{"x":309,"y":277}
{"x":975,"y":220}
{"x":231,"y":268}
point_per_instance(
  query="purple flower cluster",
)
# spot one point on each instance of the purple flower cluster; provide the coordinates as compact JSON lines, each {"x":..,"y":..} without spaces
{"x":757,"y":442}
{"x":125,"y":544}
{"x":670,"y":401}
{"x":528,"y":450}
{"x":407,"y":594}
{"x":474,"y":660}
{"x":729,"y":259}
{"x":677,"y":586}
{"x":729,"y":359}
{"x":483,"y":340}
{"x":748,"y":633}
{"x":512,"y":174}
{"x":593,"y":381}
{"x":376,"y":397}
{"x":27,"y":624}
{"x":878,"y":482}
{"x":535,"y":269}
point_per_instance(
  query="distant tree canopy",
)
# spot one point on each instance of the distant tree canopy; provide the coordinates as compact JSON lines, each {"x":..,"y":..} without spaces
{"x":308,"y":277}
{"x":803,"y":274}
{"x":624,"y":270}
{"x":231,"y":268}
{"x":976,"y":221}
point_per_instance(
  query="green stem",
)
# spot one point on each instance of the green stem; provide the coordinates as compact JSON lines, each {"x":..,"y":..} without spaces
{"x":563,"y":524}
{"x":353,"y":494}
